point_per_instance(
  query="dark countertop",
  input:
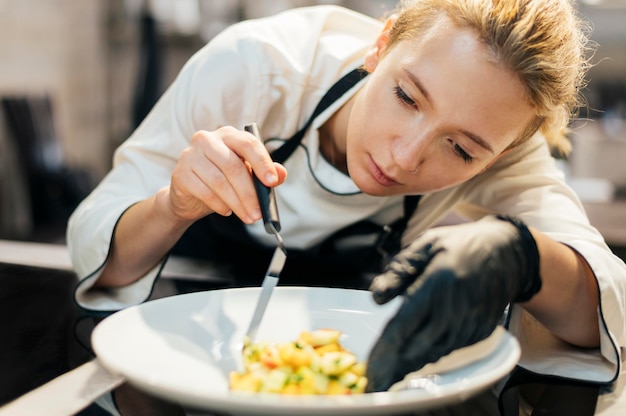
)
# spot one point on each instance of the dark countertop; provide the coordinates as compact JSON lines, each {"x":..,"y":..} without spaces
{"x":44,"y":335}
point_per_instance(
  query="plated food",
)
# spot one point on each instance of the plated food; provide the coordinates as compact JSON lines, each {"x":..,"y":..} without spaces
{"x":183,"y":349}
{"x":315,"y":363}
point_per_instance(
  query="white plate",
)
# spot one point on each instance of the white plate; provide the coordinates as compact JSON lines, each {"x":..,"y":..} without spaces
{"x":182,"y":348}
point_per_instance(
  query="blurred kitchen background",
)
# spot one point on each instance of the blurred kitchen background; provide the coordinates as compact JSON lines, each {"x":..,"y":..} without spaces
{"x":76,"y":76}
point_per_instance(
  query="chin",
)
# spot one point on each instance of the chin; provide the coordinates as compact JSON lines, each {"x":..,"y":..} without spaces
{"x":370,"y":186}
{"x":373,"y":189}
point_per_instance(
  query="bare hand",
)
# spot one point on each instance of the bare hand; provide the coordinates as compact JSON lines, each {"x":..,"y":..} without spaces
{"x":213,"y":174}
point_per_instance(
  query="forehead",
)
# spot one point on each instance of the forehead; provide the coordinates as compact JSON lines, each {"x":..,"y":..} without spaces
{"x":465,"y":85}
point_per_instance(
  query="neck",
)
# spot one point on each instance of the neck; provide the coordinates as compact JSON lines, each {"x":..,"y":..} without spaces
{"x":330,"y":151}
{"x":332,"y":138}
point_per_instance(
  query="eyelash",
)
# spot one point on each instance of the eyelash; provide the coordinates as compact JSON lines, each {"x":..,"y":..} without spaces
{"x":403,"y":97}
{"x":463,"y":154}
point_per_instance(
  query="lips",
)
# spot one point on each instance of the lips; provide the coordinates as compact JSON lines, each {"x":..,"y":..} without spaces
{"x":380,"y":176}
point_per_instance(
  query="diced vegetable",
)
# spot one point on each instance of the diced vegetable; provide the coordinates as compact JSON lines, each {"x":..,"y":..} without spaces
{"x":316,"y":363}
{"x":335,"y":363}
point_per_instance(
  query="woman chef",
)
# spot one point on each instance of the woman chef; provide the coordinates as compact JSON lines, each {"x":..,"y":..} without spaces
{"x":377,"y":129}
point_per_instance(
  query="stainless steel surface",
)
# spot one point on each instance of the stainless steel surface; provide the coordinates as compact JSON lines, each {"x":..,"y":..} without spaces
{"x":269,"y":283}
{"x":271,"y":220}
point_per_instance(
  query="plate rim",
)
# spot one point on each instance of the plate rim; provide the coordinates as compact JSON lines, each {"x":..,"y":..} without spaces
{"x":368,"y":404}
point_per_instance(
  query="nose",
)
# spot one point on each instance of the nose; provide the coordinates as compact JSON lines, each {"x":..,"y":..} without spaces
{"x":408,"y":151}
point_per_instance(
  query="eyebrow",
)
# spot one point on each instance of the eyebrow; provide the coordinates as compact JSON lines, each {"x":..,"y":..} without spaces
{"x":478,"y":140}
{"x":415,"y":80}
{"x":473,"y":137}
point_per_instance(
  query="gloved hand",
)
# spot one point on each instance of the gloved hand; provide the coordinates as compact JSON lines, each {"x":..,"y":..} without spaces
{"x":456,"y":282}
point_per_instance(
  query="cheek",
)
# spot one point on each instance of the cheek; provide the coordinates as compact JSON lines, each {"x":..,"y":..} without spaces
{"x":362,"y":124}
{"x":372,"y":101}
{"x":436,"y":175}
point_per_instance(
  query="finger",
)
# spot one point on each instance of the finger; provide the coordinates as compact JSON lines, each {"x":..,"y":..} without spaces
{"x":281,"y":172}
{"x":382,"y":364}
{"x":421,"y":332}
{"x":444,"y":330}
{"x":189,"y":195}
{"x":220,"y":192}
{"x":428,"y":305}
{"x":388,"y":285}
{"x":225,"y":174}
{"x":387,"y":360}
{"x":252,"y":149}
{"x":209,"y":198}
{"x":381,"y":368}
{"x":206,"y":183}
{"x":190,"y":198}
{"x":402,"y":271}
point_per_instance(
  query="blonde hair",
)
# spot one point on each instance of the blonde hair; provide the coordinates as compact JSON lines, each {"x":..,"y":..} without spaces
{"x":544,"y":42}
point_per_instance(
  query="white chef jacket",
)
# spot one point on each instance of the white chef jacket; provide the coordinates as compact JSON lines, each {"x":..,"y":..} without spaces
{"x":273,"y":71}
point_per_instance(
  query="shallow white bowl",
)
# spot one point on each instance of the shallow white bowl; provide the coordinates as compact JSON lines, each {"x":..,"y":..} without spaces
{"x":182,"y":348}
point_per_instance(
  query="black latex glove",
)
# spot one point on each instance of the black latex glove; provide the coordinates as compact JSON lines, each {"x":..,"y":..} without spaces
{"x":456,"y":282}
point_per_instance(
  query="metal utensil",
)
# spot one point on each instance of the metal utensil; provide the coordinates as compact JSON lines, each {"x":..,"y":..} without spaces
{"x":269,"y":211}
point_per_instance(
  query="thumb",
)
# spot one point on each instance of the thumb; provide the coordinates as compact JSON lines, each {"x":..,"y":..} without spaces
{"x":403,"y":270}
{"x":281,"y":171}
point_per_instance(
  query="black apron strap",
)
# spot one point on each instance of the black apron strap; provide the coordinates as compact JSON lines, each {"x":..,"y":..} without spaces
{"x":337,"y":90}
{"x":389,"y":241}
{"x":224,"y":239}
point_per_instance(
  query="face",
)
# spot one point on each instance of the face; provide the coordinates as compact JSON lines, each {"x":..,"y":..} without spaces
{"x":436,"y":111}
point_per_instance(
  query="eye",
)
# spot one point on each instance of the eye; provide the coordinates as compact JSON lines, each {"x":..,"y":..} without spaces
{"x":462,"y":153}
{"x":403,"y":96}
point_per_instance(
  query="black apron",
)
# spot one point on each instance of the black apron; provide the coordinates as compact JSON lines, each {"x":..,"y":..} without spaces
{"x":329,"y":264}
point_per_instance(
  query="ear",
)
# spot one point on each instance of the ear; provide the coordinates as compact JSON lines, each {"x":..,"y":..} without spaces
{"x":373,"y":55}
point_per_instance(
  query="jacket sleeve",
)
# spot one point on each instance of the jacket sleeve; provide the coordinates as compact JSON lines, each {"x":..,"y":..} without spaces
{"x":143,"y":164}
{"x":527,"y":184}
{"x":271,"y":71}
